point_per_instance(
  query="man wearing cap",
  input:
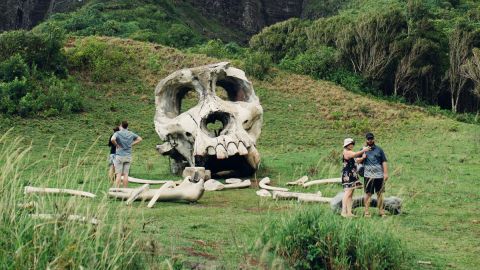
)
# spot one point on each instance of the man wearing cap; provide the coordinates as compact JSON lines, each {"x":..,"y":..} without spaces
{"x":375,"y":174}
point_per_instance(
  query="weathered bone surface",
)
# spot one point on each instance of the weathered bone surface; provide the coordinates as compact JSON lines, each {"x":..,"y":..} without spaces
{"x":243,"y":184}
{"x":392,"y":204}
{"x":145,"y":181}
{"x":299,"y":182}
{"x":159,"y":192}
{"x":136,"y":192}
{"x":301,"y":197}
{"x":189,"y":138}
{"x":233,"y":180}
{"x":78,"y":218}
{"x":186,"y":191}
{"x":29,"y":189}
{"x":263,"y":193}
{"x":214,"y":185}
{"x":323,"y":182}
{"x":201,"y":172}
{"x":264,"y":184}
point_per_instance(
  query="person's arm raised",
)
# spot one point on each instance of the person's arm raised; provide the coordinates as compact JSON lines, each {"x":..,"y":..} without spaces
{"x":350,"y":154}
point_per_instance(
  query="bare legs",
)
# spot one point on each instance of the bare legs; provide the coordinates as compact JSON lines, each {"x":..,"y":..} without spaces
{"x":119,"y":180}
{"x":368,"y":197}
{"x":347,"y":202}
{"x":381,"y":211}
{"x":125,"y":180}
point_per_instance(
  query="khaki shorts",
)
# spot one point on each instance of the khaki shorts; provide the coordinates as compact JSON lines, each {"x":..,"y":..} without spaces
{"x":122,"y":164}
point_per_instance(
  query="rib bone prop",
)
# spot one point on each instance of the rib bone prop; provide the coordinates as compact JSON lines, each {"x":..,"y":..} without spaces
{"x":145,"y":181}
{"x":136,"y":193}
{"x":29,"y":189}
{"x":214,"y":185}
{"x":186,"y":191}
{"x":299,"y":182}
{"x":323,"y":182}
{"x":264,"y":184}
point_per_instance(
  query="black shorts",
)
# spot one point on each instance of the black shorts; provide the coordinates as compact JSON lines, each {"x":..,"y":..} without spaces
{"x":374,"y":185}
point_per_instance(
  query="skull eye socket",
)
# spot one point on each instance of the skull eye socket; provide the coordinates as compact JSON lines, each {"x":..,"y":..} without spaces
{"x":233,"y":89}
{"x":187,"y":99}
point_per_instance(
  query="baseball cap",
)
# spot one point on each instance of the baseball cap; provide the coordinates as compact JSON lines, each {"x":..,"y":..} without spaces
{"x":369,"y":135}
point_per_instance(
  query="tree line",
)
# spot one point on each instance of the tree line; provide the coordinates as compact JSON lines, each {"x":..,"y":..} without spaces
{"x":419,"y":51}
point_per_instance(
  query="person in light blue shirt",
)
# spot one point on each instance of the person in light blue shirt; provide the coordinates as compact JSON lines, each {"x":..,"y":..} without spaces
{"x":123,"y":140}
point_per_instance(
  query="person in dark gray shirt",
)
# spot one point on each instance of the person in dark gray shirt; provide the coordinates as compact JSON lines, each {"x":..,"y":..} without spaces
{"x":375,"y":174}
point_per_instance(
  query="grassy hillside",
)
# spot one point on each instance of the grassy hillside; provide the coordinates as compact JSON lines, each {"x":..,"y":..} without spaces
{"x":174,"y":23}
{"x":434,"y":161}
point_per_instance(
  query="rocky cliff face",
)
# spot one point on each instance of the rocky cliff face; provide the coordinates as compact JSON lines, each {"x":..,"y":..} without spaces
{"x":249,"y":15}
{"x":16,"y":14}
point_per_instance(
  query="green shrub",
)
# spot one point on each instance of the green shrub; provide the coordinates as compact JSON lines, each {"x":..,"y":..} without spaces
{"x":318,"y":239}
{"x":181,"y":36}
{"x":13,"y":67}
{"x":103,"y":62}
{"x":258,"y":64}
{"x":317,"y":63}
{"x":44,"y":50}
{"x":348,"y":79}
{"x":286,"y":38}
{"x":216,"y":48}
{"x":11,"y":93}
{"x":52,"y":97}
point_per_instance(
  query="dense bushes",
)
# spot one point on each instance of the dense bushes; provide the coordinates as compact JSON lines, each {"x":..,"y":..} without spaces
{"x":102,"y":62}
{"x":318,"y":239}
{"x":33,"y":77}
{"x":416,"y":51}
{"x":317,"y":63}
{"x":141,"y":20}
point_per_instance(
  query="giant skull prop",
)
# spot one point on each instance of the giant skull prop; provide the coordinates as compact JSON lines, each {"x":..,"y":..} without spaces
{"x":189,"y":137}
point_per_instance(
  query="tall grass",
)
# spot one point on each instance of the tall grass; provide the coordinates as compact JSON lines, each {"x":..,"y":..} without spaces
{"x":315,"y":238}
{"x":28,"y":243}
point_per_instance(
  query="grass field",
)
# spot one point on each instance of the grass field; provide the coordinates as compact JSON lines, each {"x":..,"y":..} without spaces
{"x":434,"y":165}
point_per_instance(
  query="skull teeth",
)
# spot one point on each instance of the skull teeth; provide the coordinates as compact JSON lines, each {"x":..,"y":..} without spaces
{"x":232,"y":149}
{"x":211,"y":151}
{"x":242,"y":150}
{"x":221,"y":152}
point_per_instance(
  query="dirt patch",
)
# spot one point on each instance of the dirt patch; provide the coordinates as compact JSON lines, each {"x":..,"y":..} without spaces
{"x":192,"y":252}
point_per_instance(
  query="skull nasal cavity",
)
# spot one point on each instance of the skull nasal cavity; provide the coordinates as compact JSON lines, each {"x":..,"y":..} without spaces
{"x":215,"y":122}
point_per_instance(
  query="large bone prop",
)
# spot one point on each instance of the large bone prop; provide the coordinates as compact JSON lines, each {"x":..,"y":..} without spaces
{"x":391,"y":204}
{"x":186,"y":191}
{"x":214,"y":185}
{"x":323,"y":182}
{"x":189,"y":141}
{"x":29,"y":189}
{"x":146,"y":181}
{"x":264,"y":184}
